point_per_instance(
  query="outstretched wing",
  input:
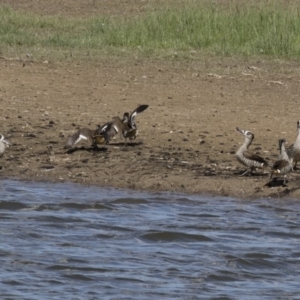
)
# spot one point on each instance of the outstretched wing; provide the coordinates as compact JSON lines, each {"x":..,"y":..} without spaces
{"x":141,"y":108}
{"x":138,"y":110}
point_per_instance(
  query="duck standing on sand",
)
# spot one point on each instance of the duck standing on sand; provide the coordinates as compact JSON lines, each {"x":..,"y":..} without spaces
{"x":247,"y":158}
{"x":283,"y":165}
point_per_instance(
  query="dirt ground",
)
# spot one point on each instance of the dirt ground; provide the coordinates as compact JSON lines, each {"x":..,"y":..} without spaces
{"x":187,"y":138}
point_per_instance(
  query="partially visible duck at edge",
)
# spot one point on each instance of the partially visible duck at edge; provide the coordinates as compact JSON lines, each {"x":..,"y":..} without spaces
{"x":3,"y":144}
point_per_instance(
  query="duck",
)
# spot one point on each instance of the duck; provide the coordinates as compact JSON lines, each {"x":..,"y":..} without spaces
{"x":125,"y":127}
{"x":283,"y":165}
{"x":131,"y":132}
{"x":245,"y":157}
{"x":95,"y":137}
{"x":112,"y":128}
{"x":104,"y":134}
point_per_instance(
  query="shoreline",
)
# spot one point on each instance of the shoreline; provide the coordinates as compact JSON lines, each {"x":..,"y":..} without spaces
{"x":224,"y":187}
{"x":187,"y":138}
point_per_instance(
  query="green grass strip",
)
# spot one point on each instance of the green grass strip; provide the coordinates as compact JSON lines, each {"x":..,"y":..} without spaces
{"x":270,"y":28}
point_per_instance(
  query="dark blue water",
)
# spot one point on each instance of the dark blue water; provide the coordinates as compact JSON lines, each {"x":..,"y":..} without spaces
{"x":64,"y":241}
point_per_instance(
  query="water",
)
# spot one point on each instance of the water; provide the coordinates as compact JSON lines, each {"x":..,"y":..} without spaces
{"x":64,"y":241}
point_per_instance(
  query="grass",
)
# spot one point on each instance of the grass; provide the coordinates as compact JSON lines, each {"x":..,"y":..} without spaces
{"x":263,"y":28}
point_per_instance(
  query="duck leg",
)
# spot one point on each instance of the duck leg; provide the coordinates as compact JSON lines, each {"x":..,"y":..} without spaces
{"x":246,"y":172}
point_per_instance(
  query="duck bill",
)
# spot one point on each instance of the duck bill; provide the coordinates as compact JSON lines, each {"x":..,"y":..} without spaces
{"x":240,"y":130}
{"x":6,"y":142}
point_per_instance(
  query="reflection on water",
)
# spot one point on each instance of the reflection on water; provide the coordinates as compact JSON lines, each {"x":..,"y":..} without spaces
{"x":63,"y":241}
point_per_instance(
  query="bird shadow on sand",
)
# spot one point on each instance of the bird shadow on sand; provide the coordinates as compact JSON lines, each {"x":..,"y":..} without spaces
{"x":122,"y":144}
{"x":275,"y":182}
{"x":240,"y":173}
{"x":90,"y":149}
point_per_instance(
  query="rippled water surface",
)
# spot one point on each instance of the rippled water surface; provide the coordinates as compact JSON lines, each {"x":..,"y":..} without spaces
{"x":63,"y":241}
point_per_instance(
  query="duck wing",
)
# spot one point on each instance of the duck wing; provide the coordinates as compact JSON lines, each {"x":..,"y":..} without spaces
{"x":138,"y":110}
{"x":81,"y":134}
{"x":110,"y":129}
{"x":280,"y":164}
{"x":255,"y":157}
